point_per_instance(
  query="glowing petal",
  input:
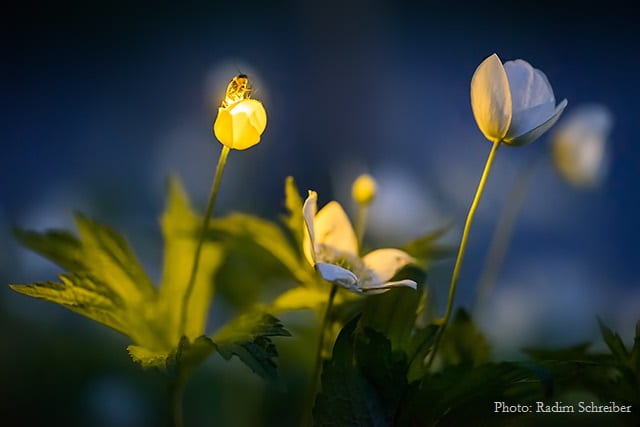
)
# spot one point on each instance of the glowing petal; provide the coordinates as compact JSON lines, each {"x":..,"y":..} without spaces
{"x":334,"y":230}
{"x":385,"y":263}
{"x":491,"y":98}
{"x":240,"y":125}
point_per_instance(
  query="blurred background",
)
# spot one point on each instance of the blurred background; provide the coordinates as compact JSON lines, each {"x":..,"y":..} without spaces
{"x":100,"y":105}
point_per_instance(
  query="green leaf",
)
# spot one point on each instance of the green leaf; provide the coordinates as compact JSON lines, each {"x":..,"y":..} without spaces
{"x":109,"y":258}
{"x":178,"y":362}
{"x":294,"y":219}
{"x":615,"y":344}
{"x":450,"y":396}
{"x":462,"y":342}
{"x":240,"y":228}
{"x":180,"y":229}
{"x":59,"y":246}
{"x":421,"y":343}
{"x":85,"y":295}
{"x":427,"y":249}
{"x":363,"y":382}
{"x":300,"y":298}
{"x":148,"y":358}
{"x":189,"y":354}
{"x":575,"y":352}
{"x":248,"y":337}
{"x":393,"y":314}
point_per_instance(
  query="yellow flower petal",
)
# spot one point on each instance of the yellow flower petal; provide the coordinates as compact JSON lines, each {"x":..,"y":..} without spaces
{"x":333,"y":229}
{"x":240,"y":125}
{"x":491,"y":98}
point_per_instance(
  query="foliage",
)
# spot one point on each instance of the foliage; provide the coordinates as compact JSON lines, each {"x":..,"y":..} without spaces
{"x":105,"y":282}
{"x":371,"y":378}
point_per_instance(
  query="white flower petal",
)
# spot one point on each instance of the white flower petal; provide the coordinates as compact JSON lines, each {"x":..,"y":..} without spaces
{"x":338,"y":275}
{"x":491,"y":98}
{"x":532,"y":97}
{"x":334,"y":230}
{"x":374,"y":290}
{"x":579,"y":145}
{"x":309,"y":210}
{"x":385,"y":263}
{"x":537,"y":132}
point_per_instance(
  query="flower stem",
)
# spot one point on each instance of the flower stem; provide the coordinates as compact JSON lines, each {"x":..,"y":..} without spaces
{"x":315,"y":379}
{"x":362,"y":213}
{"x":463,"y":247}
{"x":205,"y":225}
{"x":176,"y":389}
{"x":504,"y":230}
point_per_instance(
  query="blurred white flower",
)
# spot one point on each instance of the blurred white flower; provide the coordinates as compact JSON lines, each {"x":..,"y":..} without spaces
{"x":330,"y":245}
{"x":513,"y":103}
{"x":579,"y":145}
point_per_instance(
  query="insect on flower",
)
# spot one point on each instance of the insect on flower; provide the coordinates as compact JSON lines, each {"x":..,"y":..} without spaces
{"x":241,"y":119}
{"x":237,"y":90}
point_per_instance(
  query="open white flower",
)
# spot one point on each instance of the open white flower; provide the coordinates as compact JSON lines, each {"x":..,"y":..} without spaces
{"x":330,"y":245}
{"x":579,"y":145}
{"x":513,"y":103}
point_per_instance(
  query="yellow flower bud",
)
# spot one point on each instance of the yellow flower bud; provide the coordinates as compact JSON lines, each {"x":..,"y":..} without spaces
{"x":240,"y":125}
{"x":364,"y":189}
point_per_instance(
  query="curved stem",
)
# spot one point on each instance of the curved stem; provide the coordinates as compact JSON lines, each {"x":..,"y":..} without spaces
{"x":502,"y":235}
{"x":176,"y":389}
{"x":205,"y":225}
{"x":315,"y":379}
{"x":463,"y":247}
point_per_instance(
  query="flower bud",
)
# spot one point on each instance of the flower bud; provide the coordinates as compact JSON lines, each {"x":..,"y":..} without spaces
{"x":240,"y":125}
{"x":579,"y":145}
{"x":364,"y":189}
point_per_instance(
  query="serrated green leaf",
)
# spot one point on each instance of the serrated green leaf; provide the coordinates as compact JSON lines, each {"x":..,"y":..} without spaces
{"x":615,"y":344}
{"x":180,"y":228}
{"x":85,"y":295}
{"x":148,"y":358}
{"x":177,"y":362}
{"x":248,"y":337}
{"x":363,"y":382}
{"x":293,"y":202}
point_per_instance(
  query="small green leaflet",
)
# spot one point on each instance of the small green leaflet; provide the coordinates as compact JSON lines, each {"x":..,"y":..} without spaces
{"x":248,"y":337}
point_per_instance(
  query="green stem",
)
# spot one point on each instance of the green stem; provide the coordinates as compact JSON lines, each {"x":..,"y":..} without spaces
{"x":176,"y":389}
{"x":362,"y":213}
{"x":463,"y":247}
{"x":207,"y":217}
{"x":504,"y":230}
{"x":315,"y":379}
